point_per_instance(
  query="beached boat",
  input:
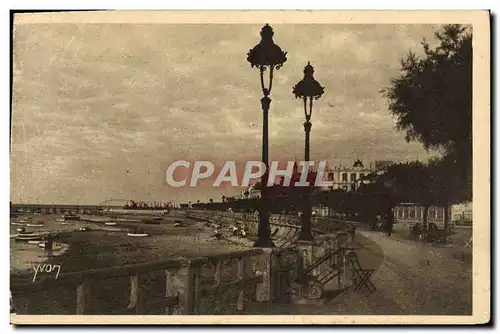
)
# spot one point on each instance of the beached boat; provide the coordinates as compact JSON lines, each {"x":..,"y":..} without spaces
{"x":55,"y":246}
{"x":137,"y":233}
{"x":33,"y":242}
{"x":67,"y":218}
{"x":43,"y":243}
{"x":22,"y":231}
{"x":28,"y":236}
{"x":38,"y":224}
{"x":110,"y":223}
{"x":17,"y":224}
{"x":134,"y":234}
{"x":71,"y":217}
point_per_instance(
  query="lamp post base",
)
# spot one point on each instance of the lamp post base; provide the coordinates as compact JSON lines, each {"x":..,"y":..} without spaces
{"x":263,"y":243}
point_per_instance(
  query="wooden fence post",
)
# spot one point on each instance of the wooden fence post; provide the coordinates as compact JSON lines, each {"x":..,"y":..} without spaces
{"x":83,"y":297}
{"x":136,"y":294}
{"x":240,"y":304}
{"x":180,"y":283}
{"x":218,"y":279}
{"x":194,"y":287}
{"x":265,"y":290}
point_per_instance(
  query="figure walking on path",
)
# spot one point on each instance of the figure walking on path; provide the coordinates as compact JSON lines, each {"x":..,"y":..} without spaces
{"x":376,"y":223}
{"x":389,"y":223}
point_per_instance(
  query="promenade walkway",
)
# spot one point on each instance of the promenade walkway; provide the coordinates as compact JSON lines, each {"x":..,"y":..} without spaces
{"x":412,"y":278}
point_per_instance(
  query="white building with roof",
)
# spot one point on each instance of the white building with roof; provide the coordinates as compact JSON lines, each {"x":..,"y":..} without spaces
{"x":347,"y":178}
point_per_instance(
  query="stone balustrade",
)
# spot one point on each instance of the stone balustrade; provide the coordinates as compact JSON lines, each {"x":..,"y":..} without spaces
{"x":218,"y":284}
{"x":284,"y":228}
{"x":331,"y":236}
{"x":205,"y":285}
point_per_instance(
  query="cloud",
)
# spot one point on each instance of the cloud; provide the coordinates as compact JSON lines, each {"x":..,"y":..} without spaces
{"x":101,"y":110}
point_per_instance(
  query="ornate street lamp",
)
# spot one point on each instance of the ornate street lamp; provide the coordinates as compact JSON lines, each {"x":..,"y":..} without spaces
{"x":308,"y":89}
{"x":266,"y":56}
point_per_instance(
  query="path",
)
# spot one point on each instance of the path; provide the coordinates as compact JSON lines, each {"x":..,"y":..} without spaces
{"x":419,"y":278}
{"x":412,"y":278}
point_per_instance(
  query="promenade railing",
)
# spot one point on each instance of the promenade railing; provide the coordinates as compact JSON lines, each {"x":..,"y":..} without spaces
{"x":217,"y":284}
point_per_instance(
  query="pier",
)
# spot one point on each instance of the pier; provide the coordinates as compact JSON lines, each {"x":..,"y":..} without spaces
{"x":55,"y":208}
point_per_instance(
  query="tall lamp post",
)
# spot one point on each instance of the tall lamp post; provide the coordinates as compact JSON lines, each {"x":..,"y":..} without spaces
{"x":265,"y":56}
{"x":308,"y":89}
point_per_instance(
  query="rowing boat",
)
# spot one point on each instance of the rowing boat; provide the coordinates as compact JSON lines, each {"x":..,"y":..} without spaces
{"x":137,"y":234}
{"x":71,"y":217}
{"x":28,"y":237}
{"x":35,"y":225}
{"x":55,"y":246}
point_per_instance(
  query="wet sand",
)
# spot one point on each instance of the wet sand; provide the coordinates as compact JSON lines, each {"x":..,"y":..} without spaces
{"x":111,"y":247}
{"x":107,"y":246}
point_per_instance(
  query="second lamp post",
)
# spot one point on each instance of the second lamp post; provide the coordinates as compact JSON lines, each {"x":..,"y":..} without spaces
{"x":307,"y":89}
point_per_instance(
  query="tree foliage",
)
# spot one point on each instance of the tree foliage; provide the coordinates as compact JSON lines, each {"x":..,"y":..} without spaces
{"x":402,"y":182}
{"x":432,"y":102}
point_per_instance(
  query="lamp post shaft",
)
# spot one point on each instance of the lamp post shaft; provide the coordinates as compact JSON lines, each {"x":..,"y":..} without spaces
{"x":305,"y":230}
{"x":263,"y":235}
{"x":307,"y":130}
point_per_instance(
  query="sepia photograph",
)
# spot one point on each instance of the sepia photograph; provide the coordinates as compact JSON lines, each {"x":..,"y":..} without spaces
{"x":220,"y":165}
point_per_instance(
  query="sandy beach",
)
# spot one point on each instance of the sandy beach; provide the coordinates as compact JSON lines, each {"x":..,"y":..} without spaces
{"x":106,"y":246}
{"x":109,"y":246}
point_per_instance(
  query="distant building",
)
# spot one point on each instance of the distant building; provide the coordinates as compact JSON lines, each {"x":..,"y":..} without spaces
{"x":348,"y":178}
{"x":462,"y":212}
{"x":413,"y":213}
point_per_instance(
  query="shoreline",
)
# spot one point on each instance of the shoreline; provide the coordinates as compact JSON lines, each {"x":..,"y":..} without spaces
{"x":96,"y":249}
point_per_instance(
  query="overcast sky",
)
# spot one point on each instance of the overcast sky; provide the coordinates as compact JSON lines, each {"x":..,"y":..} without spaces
{"x":101,"y":110}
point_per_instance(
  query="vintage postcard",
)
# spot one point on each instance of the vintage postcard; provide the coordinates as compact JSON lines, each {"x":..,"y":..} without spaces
{"x":316,"y":167}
